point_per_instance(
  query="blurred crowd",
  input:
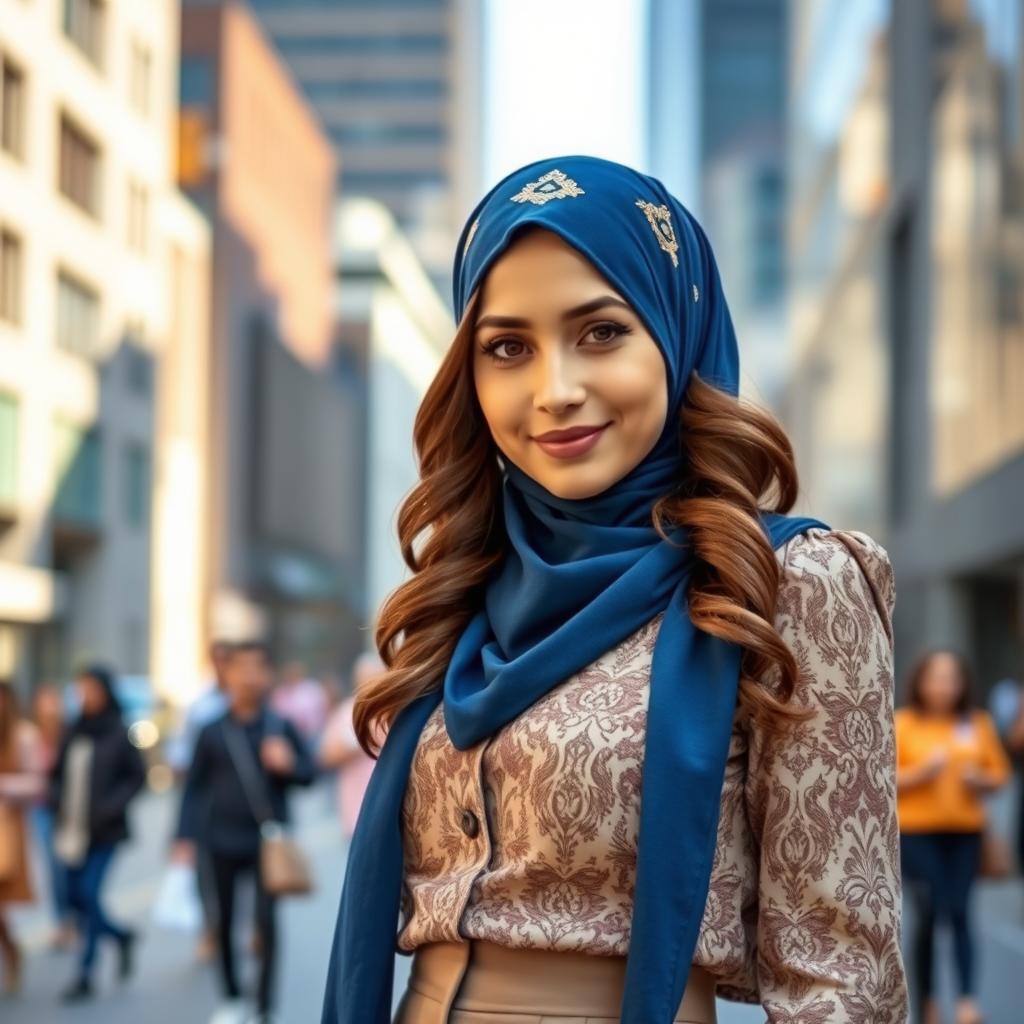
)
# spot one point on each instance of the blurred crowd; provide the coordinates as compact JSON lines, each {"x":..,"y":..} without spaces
{"x":71,"y":764}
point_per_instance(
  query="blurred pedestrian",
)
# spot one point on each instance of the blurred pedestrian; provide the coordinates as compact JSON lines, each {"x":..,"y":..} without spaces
{"x":48,"y":718}
{"x":217,"y":808}
{"x":1005,"y":701}
{"x":340,"y":750}
{"x":210,"y":705}
{"x":948,"y":758}
{"x":97,"y":774}
{"x":21,"y":781}
{"x":301,"y":700}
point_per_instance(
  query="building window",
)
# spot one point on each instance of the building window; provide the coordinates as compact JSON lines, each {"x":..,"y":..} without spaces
{"x":78,"y":496}
{"x":136,"y":484}
{"x":377,"y":89}
{"x":78,"y":316}
{"x":137,"y":362}
{"x":195,"y":83}
{"x":12,"y":108}
{"x":388,"y":44}
{"x":138,"y":217}
{"x":141,"y":77}
{"x":8,"y":450}
{"x":83,"y":25}
{"x":372,"y":181}
{"x":79,"y":167}
{"x":11,"y":276}
{"x":379,"y":133}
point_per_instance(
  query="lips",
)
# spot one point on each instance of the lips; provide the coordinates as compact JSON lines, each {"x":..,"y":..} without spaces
{"x":571,"y":442}
{"x":569,"y":434}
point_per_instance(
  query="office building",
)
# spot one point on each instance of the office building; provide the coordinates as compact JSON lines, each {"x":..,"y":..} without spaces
{"x":396,"y":85}
{"x":284,"y":552}
{"x":99,"y":256}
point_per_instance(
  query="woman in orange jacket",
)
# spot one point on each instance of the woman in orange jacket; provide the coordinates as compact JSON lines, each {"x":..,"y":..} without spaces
{"x":948,"y":757}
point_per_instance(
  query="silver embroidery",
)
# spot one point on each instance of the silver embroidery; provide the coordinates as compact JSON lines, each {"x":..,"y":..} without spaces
{"x":696,"y":294}
{"x":553,"y":185}
{"x":661,"y":224}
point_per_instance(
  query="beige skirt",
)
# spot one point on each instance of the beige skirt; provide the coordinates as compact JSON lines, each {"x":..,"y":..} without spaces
{"x":481,"y":983}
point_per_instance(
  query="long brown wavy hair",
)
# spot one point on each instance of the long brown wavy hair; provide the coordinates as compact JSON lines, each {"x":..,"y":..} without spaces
{"x":735,"y":461}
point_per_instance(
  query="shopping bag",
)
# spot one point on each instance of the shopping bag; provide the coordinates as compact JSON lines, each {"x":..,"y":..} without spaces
{"x":177,"y":904}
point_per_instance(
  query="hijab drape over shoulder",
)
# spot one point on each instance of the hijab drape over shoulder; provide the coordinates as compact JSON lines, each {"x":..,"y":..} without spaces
{"x":580,"y":576}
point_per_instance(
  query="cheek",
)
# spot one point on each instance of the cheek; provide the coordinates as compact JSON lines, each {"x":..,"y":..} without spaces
{"x":638,"y":393}
{"x":502,"y":399}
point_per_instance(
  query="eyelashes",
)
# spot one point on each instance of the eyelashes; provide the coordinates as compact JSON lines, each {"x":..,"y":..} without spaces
{"x":603,"y":333}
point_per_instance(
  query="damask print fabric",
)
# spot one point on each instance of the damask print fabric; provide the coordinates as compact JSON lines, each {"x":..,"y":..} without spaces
{"x":529,"y":839}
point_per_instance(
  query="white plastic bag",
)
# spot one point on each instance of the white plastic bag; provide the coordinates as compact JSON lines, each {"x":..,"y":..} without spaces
{"x":177,"y":903}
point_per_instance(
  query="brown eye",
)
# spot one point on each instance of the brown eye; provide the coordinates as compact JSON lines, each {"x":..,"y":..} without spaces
{"x":607,"y":331}
{"x":503,"y":350}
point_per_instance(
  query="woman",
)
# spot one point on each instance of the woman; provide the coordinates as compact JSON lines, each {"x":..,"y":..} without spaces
{"x":21,"y":781}
{"x":606,"y":599}
{"x":948,"y":758}
{"x":98,"y":772}
{"x":48,"y":718}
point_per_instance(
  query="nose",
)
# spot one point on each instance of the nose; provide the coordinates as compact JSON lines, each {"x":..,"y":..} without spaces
{"x":558,"y":385}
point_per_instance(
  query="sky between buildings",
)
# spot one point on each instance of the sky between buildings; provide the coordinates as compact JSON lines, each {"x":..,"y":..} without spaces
{"x":563,"y":77}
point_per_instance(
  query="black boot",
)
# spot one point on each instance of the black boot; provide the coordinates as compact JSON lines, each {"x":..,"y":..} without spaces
{"x":77,"y":992}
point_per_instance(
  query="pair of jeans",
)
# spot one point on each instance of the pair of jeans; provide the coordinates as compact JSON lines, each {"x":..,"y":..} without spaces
{"x":227,"y":870}
{"x":940,"y":868}
{"x":85,"y":890}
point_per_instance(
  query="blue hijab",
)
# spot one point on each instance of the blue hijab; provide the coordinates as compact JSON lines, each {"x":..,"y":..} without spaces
{"x":579,"y":577}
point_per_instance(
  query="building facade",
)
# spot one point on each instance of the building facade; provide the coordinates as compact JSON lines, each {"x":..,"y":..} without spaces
{"x":395,"y":329}
{"x":396,"y":85}
{"x":717,"y":139}
{"x":92,"y":231}
{"x":906,"y":314}
{"x":284,"y":561}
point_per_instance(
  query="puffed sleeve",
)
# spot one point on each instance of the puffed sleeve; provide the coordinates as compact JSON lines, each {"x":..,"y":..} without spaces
{"x":821,"y":797}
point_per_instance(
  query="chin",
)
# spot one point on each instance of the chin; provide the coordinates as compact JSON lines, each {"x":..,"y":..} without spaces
{"x":576,"y":483}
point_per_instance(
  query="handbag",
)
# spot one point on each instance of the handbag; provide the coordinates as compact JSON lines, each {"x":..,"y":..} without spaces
{"x":996,"y":861}
{"x":284,"y":870}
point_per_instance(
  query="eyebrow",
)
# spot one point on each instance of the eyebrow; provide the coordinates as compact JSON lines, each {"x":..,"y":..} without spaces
{"x":602,"y":302}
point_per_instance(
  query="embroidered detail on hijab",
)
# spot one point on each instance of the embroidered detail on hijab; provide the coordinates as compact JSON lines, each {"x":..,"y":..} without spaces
{"x":472,"y":232}
{"x":696,"y":294}
{"x":661,"y":224}
{"x":553,"y":185}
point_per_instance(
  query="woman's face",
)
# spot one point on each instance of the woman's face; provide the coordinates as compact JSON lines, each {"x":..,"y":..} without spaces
{"x":572,"y":385}
{"x":941,"y":684}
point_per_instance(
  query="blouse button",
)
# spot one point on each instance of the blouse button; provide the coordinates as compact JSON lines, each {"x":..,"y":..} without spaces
{"x":470,"y":823}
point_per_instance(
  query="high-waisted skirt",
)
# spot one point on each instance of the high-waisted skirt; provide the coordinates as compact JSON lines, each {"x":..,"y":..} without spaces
{"x":482,"y":983}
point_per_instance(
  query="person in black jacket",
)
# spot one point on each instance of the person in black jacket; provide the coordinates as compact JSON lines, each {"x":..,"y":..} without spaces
{"x":96,"y":775}
{"x":225,"y":802}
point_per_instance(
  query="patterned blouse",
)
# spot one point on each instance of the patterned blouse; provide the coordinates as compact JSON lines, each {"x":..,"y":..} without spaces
{"x":529,"y":838}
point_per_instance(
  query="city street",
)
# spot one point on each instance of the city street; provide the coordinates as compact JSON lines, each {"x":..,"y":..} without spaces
{"x":494,"y":334}
{"x":171,"y":988}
